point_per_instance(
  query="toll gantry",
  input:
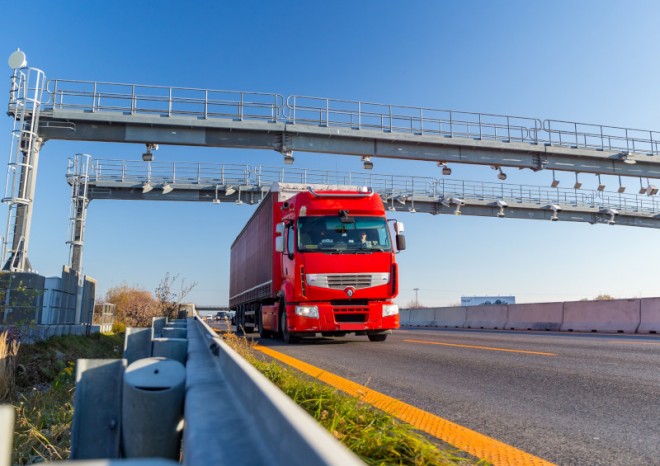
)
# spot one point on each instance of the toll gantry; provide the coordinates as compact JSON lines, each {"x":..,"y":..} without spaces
{"x":155,"y":115}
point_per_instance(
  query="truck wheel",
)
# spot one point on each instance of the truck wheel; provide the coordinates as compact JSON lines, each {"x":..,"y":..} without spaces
{"x":286,"y":335}
{"x":378,"y":337}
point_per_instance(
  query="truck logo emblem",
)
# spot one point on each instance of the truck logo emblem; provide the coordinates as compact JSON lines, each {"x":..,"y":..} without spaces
{"x":349,"y":291}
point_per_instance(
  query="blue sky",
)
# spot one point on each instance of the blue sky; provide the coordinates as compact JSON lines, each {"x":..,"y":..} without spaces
{"x":586,"y":61}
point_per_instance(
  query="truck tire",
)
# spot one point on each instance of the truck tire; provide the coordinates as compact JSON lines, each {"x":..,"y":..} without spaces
{"x":378,"y":337}
{"x":286,"y":335}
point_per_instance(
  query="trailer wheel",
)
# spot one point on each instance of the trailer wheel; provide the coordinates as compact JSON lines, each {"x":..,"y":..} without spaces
{"x":378,"y":337}
{"x":286,"y":335}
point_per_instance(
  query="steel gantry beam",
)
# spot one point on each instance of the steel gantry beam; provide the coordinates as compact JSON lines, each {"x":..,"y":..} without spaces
{"x":111,"y":112}
{"x":152,"y":115}
{"x":245,"y":184}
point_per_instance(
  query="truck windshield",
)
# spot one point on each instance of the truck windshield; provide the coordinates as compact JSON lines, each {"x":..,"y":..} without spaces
{"x":329,"y":234}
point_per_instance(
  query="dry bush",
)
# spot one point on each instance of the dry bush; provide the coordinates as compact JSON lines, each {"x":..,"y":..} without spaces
{"x":134,"y":307}
{"x":8,"y":353}
{"x":169,"y":295}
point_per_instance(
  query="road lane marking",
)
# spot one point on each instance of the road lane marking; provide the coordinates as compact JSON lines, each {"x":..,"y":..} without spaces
{"x":635,"y":342}
{"x":467,"y":440}
{"x":479,"y":347}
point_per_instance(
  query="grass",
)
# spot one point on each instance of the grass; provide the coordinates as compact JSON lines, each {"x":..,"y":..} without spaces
{"x":376,"y":437}
{"x":43,"y":393}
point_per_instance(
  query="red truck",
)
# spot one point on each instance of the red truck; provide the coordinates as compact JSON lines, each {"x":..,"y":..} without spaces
{"x":316,"y":259}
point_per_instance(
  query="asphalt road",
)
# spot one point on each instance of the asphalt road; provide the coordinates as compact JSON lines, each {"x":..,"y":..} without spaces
{"x":593,"y":400}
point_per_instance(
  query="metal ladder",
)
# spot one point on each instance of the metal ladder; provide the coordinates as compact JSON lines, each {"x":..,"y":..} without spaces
{"x":78,"y":210}
{"x":25,"y":99}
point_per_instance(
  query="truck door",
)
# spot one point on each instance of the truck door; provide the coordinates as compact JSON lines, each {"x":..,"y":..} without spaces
{"x":288,"y":262}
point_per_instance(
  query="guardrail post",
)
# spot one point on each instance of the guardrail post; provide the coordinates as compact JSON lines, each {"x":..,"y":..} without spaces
{"x":172,"y":348}
{"x":157,"y":324}
{"x":152,"y":408}
{"x":96,"y":426}
{"x":137,"y":344}
{"x":173,"y":332}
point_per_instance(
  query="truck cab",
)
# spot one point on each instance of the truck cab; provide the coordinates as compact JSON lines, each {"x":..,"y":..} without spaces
{"x":338,"y":273}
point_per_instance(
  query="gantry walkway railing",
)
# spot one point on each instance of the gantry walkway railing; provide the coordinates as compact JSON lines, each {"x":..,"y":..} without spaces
{"x":102,"y":111}
{"x":218,"y":183}
{"x":205,"y":104}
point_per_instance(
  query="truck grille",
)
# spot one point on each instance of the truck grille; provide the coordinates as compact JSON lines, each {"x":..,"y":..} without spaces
{"x":338,"y":281}
{"x":351,"y":314}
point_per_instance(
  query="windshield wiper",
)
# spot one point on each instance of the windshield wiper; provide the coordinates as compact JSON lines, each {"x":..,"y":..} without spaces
{"x":333,"y":250}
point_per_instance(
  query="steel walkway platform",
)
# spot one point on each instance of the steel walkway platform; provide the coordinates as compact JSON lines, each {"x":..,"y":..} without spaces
{"x":245,"y":184}
{"x":114,"y":112}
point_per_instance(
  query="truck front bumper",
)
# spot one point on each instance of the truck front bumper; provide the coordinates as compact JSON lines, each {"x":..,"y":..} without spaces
{"x":344,"y":318}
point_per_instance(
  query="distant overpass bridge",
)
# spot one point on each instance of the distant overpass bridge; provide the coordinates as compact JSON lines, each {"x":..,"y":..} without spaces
{"x":210,"y":308}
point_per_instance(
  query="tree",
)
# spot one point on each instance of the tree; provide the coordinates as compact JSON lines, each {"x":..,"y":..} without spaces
{"x":134,"y":307}
{"x":604,"y":297}
{"x":169,"y":299}
{"x":414,"y":304}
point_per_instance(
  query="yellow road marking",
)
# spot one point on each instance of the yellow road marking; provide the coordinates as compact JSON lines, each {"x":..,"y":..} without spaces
{"x":467,"y":440}
{"x":479,"y":347}
{"x":636,"y":342}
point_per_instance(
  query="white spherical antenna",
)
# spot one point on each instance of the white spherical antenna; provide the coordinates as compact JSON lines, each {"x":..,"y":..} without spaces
{"x":17,"y":59}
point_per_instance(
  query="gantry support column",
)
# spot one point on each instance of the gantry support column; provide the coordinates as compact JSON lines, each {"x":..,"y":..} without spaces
{"x":25,"y":97}
{"x":78,"y":215}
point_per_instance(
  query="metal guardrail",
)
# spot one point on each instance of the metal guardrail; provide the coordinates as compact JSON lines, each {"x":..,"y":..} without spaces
{"x":234,"y":415}
{"x":134,"y":99}
{"x":399,"y":187}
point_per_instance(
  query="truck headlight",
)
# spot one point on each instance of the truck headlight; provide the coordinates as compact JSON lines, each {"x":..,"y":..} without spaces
{"x":390,"y":310}
{"x":308,"y":311}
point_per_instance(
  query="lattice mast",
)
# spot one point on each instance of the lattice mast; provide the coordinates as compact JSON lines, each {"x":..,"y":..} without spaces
{"x":25,"y":99}
{"x":79,"y":179}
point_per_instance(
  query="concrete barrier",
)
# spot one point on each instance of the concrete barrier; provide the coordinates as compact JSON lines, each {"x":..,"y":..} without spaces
{"x":404,"y":317}
{"x":617,"y":316}
{"x":486,"y":317}
{"x":450,"y":317}
{"x":422,"y":317}
{"x":541,"y":316}
{"x":649,"y":316}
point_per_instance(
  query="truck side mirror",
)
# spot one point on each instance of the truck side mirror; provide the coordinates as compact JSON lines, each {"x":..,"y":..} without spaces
{"x":400,"y":242}
{"x":279,"y":239}
{"x":400,"y":238}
